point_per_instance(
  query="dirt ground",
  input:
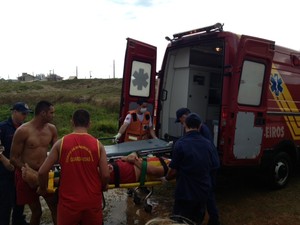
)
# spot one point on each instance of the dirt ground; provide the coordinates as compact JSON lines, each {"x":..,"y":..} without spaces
{"x":245,"y":200}
{"x":241,"y":199}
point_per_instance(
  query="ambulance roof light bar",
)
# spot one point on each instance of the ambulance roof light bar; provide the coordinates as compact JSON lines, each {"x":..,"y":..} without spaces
{"x":213,"y":28}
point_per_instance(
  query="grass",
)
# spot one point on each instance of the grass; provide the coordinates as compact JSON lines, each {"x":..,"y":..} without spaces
{"x":241,"y":200}
{"x":99,"y":96}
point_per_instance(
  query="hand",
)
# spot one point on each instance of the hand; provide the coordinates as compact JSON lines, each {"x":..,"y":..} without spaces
{"x":105,"y":187}
{"x":41,"y":191}
{"x":163,"y":180}
{"x":1,"y":149}
{"x":117,"y":137}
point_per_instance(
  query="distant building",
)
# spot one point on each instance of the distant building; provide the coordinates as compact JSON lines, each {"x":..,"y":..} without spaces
{"x":26,"y":77}
{"x":72,"y":77}
{"x":54,"y":77}
{"x":40,"y":77}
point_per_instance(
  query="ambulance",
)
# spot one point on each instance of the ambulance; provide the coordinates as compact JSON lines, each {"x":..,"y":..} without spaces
{"x":246,"y":90}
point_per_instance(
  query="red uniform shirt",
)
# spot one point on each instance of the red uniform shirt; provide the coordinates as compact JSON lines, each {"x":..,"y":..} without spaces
{"x":80,"y":184}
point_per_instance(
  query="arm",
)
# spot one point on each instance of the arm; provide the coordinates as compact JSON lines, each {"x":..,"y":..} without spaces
{"x":17,"y":147}
{"x":103,"y":168}
{"x":177,"y":156}
{"x":123,"y":128}
{"x":130,"y":158}
{"x":46,"y":167}
{"x":152,"y":133}
{"x":54,"y":134}
{"x":171,"y":174}
{"x":6,"y":163}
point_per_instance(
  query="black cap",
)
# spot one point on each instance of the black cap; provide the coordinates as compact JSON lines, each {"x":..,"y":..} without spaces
{"x":21,"y":107}
{"x":180,"y":112}
{"x":141,"y":101}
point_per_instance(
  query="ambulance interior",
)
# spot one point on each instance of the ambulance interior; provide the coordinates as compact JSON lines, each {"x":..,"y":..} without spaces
{"x":192,"y":78}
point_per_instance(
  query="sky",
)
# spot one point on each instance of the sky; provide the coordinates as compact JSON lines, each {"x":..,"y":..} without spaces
{"x":46,"y":36}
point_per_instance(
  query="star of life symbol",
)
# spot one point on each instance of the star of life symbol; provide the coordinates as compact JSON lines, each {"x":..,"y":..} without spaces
{"x":140,"y":79}
{"x":276,"y":84}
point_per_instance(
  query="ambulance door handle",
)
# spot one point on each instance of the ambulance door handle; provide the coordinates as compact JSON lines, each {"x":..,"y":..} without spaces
{"x":260,"y":120}
{"x":164,"y":95}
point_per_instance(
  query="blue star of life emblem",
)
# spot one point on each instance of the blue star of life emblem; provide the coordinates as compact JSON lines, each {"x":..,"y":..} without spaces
{"x":140,"y":79}
{"x":276,"y":84}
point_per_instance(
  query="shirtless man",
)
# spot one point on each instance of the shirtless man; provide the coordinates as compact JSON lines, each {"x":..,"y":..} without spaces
{"x":29,"y":147}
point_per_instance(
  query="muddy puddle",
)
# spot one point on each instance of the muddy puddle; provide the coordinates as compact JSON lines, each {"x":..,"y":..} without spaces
{"x":120,"y":208}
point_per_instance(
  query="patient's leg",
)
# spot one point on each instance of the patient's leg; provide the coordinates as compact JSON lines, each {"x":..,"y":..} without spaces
{"x":30,"y":176}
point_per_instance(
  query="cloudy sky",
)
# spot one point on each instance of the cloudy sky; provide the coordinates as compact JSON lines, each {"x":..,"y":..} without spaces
{"x":39,"y":36}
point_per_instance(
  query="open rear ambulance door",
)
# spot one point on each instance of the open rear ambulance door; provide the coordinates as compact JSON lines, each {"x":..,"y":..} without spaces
{"x":254,"y":63}
{"x":138,"y":77}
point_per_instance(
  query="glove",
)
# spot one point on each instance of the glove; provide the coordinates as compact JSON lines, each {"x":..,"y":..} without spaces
{"x":117,"y":137}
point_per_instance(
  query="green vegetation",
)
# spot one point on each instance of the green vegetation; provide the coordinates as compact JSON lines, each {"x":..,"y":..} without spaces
{"x":100,"y":97}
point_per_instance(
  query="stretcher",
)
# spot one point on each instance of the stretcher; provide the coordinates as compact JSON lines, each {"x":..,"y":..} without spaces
{"x":142,"y":148}
{"x":156,"y":147}
{"x":137,"y":199}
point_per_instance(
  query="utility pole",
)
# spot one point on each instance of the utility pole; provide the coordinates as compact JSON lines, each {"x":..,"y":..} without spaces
{"x":114,"y":69}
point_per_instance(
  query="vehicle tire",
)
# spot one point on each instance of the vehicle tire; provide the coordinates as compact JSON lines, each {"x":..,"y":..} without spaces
{"x":136,"y":199}
{"x":279,"y":170}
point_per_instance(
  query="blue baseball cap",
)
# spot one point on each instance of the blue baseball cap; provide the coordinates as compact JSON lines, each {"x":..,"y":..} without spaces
{"x":21,"y":107}
{"x":180,"y":112}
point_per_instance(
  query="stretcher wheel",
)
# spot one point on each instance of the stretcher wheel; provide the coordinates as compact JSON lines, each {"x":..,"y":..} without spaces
{"x":130,"y":192}
{"x":136,"y":199}
{"x":148,"y":208}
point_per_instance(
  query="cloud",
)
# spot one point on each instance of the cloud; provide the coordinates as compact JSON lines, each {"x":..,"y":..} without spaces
{"x":39,"y":36}
{"x":143,"y":3}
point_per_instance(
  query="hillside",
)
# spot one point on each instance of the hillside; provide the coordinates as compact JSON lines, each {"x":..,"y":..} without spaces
{"x":100,"y":97}
{"x":79,"y":90}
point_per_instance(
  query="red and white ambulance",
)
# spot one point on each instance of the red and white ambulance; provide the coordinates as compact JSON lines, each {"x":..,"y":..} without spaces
{"x":246,"y":89}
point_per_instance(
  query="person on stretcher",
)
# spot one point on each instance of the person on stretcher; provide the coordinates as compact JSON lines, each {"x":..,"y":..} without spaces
{"x":124,"y":170}
{"x":132,"y":169}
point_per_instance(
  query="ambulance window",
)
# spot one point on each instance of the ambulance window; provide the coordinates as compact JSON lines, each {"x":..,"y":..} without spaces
{"x":251,"y":83}
{"x":140,"y":79}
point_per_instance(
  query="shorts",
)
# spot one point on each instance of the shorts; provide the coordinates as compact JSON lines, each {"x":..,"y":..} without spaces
{"x":72,"y":215}
{"x":25,"y":194}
